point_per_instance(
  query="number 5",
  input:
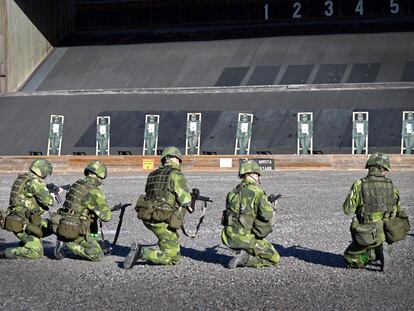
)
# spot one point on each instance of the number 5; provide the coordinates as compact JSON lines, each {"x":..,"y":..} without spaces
{"x":394,"y":7}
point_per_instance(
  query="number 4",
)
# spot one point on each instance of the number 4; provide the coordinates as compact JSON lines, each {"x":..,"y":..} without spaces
{"x":360,"y":7}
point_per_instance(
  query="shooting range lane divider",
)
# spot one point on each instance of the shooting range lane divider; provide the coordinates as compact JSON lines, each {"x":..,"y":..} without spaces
{"x":135,"y":163}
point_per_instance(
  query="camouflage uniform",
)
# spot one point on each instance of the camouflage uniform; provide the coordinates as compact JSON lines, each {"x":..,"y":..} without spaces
{"x":247,"y":221}
{"x":373,"y":199}
{"x":166,"y":192}
{"x":29,"y":198}
{"x":86,"y":201}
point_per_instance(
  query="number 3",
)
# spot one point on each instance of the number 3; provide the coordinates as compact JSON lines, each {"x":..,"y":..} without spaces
{"x":329,"y":10}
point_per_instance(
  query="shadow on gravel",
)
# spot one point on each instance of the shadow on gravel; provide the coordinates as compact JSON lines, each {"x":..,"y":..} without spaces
{"x":210,"y":255}
{"x":312,"y":256}
{"x":411,"y":234}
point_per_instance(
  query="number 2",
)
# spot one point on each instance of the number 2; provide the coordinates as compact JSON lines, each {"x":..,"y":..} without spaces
{"x":297,"y":6}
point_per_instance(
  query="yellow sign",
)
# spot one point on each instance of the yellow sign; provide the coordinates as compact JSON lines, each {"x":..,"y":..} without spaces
{"x":147,"y":164}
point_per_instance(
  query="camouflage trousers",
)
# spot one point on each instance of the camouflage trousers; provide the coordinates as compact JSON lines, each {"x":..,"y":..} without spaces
{"x":86,"y":247}
{"x":31,"y":248}
{"x":168,"y":243}
{"x":357,"y":256}
{"x":262,"y":252}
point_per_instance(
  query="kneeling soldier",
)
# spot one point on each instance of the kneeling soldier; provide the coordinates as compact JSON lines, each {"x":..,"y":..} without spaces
{"x":162,"y":210}
{"x":84,"y":204}
{"x":247,"y":221}
{"x":376,"y":202}
{"x":29,"y":199}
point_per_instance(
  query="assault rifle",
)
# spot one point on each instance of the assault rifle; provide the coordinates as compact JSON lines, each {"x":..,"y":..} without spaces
{"x":55,"y":191}
{"x":273,"y":198}
{"x":195,"y":196}
{"x":105,"y":245}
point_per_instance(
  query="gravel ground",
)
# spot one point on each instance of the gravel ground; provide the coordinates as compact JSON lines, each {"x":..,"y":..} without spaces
{"x":311,"y":232}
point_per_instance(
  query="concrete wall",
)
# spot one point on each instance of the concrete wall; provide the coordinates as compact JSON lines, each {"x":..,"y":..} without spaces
{"x":30,"y":30}
{"x":123,"y":164}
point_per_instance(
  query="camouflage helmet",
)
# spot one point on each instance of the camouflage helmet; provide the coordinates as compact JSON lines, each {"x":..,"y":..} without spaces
{"x":379,"y":159}
{"x":249,"y":166}
{"x":97,"y":168}
{"x":171,"y":152}
{"x":41,"y":167}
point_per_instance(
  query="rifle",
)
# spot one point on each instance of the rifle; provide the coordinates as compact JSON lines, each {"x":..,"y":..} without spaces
{"x":195,"y":196}
{"x":105,"y":245}
{"x":55,"y":191}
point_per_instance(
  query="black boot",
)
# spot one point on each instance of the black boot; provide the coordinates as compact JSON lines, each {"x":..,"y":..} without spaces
{"x":384,"y":251}
{"x":135,"y":254}
{"x":239,"y":260}
{"x":60,"y":250}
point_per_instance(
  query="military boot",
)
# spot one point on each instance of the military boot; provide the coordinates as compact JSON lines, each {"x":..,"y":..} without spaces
{"x":60,"y":250}
{"x":135,"y":254}
{"x":239,"y":260}
{"x":384,"y":251}
{"x":2,"y":255}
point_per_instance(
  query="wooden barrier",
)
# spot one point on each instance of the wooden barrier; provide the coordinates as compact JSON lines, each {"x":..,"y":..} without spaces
{"x":125,"y":164}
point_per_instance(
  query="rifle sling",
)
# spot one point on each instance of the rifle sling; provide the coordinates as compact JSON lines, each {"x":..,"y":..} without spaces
{"x":200,"y":221}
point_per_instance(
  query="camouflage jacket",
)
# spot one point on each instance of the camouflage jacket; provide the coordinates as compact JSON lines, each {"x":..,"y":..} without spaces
{"x":354,"y":201}
{"x":246,"y":203}
{"x":94,"y":200}
{"x":33,"y":196}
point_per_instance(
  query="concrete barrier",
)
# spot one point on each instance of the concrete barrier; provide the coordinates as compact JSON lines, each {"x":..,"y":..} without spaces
{"x":125,"y":164}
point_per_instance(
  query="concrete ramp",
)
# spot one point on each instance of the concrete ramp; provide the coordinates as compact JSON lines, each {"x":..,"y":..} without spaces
{"x":322,"y":59}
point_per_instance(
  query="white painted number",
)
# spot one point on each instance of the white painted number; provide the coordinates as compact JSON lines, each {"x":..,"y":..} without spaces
{"x":297,"y":6}
{"x":360,"y":7}
{"x":266,"y":11}
{"x":394,"y":7}
{"x":329,"y":8}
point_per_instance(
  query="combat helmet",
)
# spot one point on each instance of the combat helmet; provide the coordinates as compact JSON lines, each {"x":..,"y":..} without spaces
{"x":379,"y":159}
{"x":97,"y":168}
{"x":41,"y":167}
{"x":249,"y":166}
{"x":171,"y":152}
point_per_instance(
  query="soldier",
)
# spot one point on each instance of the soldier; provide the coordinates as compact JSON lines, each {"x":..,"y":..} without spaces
{"x":84,"y":204}
{"x":29,"y":199}
{"x":373,"y":199}
{"x":193,"y":134}
{"x":162,"y":210}
{"x":102,"y":135}
{"x":305,"y":132}
{"x":408,"y":133}
{"x":150,"y":135}
{"x":359,"y":133}
{"x":244,"y":132}
{"x":247,"y":221}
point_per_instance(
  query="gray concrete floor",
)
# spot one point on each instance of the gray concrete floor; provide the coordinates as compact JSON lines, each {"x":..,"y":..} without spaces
{"x":310,"y":233}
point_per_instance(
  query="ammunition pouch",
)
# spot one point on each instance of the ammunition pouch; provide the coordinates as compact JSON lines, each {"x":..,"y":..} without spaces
{"x":261,"y":229}
{"x":396,"y":228}
{"x":32,"y":229}
{"x":14,"y":223}
{"x":159,"y":211}
{"x":177,"y":218}
{"x":366,"y":234}
{"x":70,"y":228}
{"x":246,"y":221}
